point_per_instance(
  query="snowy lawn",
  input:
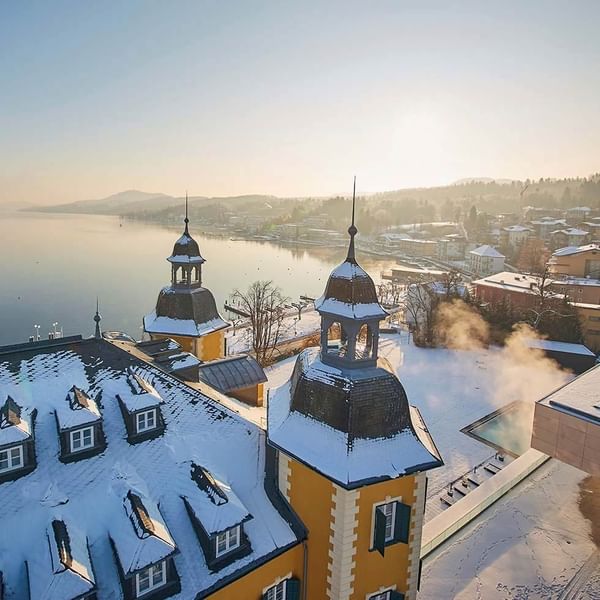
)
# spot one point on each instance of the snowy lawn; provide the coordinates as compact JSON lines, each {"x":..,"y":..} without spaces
{"x":527,"y":546}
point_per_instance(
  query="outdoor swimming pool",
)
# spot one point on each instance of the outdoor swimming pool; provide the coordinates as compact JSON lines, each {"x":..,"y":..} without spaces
{"x":507,"y":429}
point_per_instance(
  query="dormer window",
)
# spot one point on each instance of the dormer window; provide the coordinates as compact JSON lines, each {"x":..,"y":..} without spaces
{"x":146,"y":420}
{"x":227,"y":541}
{"x":218,"y":517}
{"x":11,"y":459}
{"x":17,"y":453}
{"x":79,"y":426}
{"x":144,"y":549}
{"x":140,"y":406}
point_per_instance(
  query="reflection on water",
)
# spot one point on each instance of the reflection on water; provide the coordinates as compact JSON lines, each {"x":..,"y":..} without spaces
{"x":54,"y":266}
{"x":506,"y":429}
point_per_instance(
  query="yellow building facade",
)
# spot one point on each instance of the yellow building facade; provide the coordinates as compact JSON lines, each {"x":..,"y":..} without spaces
{"x":351,"y":461}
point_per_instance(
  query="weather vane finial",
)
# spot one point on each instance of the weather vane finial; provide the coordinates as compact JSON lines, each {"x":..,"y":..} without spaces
{"x":186,"y":220}
{"x":352,"y":229}
{"x":97,"y":319}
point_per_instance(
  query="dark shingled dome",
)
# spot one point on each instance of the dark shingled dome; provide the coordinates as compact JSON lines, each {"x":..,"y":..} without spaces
{"x":350,"y":283}
{"x":197,"y":304}
{"x":366,"y":403}
{"x":186,"y":245}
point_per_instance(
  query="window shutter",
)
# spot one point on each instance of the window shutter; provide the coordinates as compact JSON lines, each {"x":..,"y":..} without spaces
{"x":396,"y":595}
{"x":402,"y":524}
{"x":379,"y":534}
{"x":292,"y":589}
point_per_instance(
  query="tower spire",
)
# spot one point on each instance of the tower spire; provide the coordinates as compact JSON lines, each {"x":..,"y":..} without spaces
{"x":97,"y":319}
{"x":186,"y":220}
{"x":352,"y":230}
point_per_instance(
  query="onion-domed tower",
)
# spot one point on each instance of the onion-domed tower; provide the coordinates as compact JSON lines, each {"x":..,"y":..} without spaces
{"x":352,"y":452}
{"x":185,"y":311}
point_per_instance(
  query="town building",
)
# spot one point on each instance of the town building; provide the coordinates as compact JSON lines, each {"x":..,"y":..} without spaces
{"x":486,"y":260}
{"x":576,"y":261}
{"x":514,"y":235}
{"x":544,"y":226}
{"x":570,"y":236}
{"x":516,"y":288}
{"x":421,"y":248}
{"x":185,"y":310}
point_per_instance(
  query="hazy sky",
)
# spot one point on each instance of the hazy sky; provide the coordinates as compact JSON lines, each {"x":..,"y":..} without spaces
{"x":292,"y":98}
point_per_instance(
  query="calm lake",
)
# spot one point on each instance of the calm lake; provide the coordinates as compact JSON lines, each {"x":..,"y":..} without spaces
{"x":53,"y":266}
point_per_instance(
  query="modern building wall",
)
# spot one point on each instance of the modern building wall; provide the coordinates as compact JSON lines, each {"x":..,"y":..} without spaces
{"x":571,"y":439}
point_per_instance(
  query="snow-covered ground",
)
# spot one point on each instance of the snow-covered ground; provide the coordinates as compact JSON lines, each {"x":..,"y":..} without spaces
{"x":527,"y":546}
{"x":292,"y":328}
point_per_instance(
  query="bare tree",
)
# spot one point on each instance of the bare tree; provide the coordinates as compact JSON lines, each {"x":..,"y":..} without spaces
{"x":548,"y":303}
{"x":265,"y":305}
{"x":420,"y":303}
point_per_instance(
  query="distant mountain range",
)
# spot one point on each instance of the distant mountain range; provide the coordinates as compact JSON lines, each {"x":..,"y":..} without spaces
{"x":487,"y":193}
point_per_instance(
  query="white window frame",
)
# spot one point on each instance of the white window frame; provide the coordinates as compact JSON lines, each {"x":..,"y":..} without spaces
{"x":227,"y":535}
{"x":271,"y":593}
{"x":145,"y":413}
{"x":13,"y":466}
{"x":81,"y":432}
{"x":383,"y":595}
{"x":388,"y":500}
{"x":151,"y":571}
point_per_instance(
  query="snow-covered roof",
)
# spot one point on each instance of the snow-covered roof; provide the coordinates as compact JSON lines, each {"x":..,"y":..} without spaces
{"x":215,"y":503}
{"x":327,"y":450}
{"x":572,"y":231}
{"x":77,"y":409}
{"x":489,"y":251}
{"x":577,"y":281}
{"x":350,"y":293}
{"x":60,"y":568}
{"x":568,"y":250}
{"x":15,"y":423}
{"x":140,"y":534}
{"x":512,"y":281}
{"x":232,"y":373}
{"x":565,"y":347}
{"x":89,"y":493}
{"x":351,"y":311}
{"x":348,"y":455}
{"x":177,"y":361}
{"x":579,"y":397}
{"x":185,"y":327}
{"x":516,"y":228}
{"x":140,"y":395}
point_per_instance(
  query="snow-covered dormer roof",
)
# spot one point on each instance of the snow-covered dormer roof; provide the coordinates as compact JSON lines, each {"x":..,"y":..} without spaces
{"x":78,"y":409}
{"x":15,"y":423}
{"x":214,"y":503}
{"x":61,"y":568}
{"x":141,"y":394}
{"x":146,"y":539}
